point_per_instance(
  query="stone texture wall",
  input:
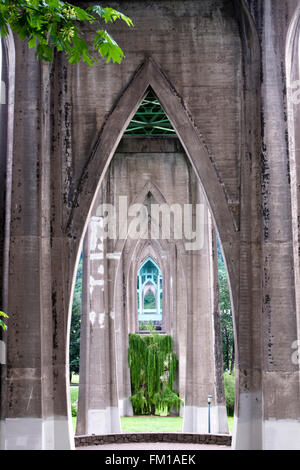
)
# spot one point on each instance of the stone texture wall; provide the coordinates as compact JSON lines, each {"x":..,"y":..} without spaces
{"x":216,"y":439}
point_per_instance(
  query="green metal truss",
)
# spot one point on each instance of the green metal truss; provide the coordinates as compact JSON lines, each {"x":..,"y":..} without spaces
{"x":150,"y":119}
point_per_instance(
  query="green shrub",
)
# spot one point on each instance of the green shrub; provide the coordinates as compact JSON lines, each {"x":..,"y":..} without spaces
{"x":229,"y":384}
{"x":153,"y":368}
{"x":74,"y":410}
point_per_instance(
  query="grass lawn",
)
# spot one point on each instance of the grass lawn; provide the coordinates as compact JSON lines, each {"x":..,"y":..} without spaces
{"x":146,"y":423}
{"x":230,"y":423}
{"x":151,"y":424}
{"x":74,"y":394}
{"x":75,"y":379}
{"x":74,"y":397}
{"x":74,"y":418}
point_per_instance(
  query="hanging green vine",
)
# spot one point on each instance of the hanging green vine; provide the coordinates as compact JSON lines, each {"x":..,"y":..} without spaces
{"x":153,"y":367}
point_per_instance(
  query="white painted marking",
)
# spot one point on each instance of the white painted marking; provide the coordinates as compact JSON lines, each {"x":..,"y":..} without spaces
{"x":92,"y":317}
{"x":113,"y":255}
{"x":101,"y":319}
{"x":95,"y":282}
{"x":95,"y":256}
{"x":101,"y":269}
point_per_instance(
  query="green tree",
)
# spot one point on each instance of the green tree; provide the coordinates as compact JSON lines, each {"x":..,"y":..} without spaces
{"x":229,"y":385}
{"x":50,"y":25}
{"x":74,"y":352}
{"x":226,"y":316}
{"x":153,"y":368}
{"x":2,"y":324}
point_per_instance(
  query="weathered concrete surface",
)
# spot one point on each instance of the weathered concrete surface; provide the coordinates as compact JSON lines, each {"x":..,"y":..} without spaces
{"x":201,"y":376}
{"x":218,"y":67}
{"x":98,"y":399}
{"x":156,"y":446}
{"x":6,"y":141}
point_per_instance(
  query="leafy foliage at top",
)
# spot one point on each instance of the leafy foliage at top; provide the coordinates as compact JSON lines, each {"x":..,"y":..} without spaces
{"x":54,"y":24}
{"x":2,"y":324}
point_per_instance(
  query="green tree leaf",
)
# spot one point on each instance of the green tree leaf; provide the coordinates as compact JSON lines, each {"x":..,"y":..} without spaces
{"x":50,"y":25}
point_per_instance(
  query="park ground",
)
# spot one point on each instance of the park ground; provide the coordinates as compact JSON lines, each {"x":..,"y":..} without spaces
{"x":144,"y":423}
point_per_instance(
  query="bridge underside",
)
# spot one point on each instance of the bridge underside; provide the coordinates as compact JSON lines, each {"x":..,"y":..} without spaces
{"x":222,"y":71}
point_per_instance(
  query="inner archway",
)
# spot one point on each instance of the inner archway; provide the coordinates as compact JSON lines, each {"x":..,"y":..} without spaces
{"x":113,"y":264}
{"x":150,"y":294}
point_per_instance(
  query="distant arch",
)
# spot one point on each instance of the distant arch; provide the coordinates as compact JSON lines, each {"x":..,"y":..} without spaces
{"x":149,"y":280}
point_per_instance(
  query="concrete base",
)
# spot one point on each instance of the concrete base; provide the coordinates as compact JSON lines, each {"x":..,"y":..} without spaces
{"x":38,"y":434}
{"x":125,"y":407}
{"x":247,"y":430}
{"x":104,"y":421}
{"x":161,"y":439}
{"x":281,"y":434}
{"x":221,"y":419}
{"x":196,"y":420}
{"x":2,"y":435}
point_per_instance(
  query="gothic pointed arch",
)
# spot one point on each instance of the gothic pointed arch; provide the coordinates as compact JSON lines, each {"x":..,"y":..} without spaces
{"x":149,"y":292}
{"x":150,"y":75}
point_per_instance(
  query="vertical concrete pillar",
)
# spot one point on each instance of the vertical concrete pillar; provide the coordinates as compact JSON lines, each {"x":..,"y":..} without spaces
{"x":35,"y":419}
{"x":243,"y":255}
{"x":122,"y":331}
{"x":99,"y":397}
{"x":83,"y":392}
{"x":4,"y":234}
{"x":201,"y":344}
{"x":281,"y":393}
{"x":218,"y":353}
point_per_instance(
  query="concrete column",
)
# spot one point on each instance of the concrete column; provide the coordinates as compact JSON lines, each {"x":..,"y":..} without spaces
{"x":83,"y":392}
{"x":281,"y":394}
{"x":5,"y":190}
{"x":201,"y":345}
{"x":36,"y":361}
{"x":101,"y":413}
{"x":218,"y":353}
{"x":122,"y":331}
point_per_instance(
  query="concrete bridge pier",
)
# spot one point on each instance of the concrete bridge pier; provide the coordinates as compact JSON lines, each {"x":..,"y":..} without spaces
{"x":202,"y":374}
{"x":98,"y":411}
